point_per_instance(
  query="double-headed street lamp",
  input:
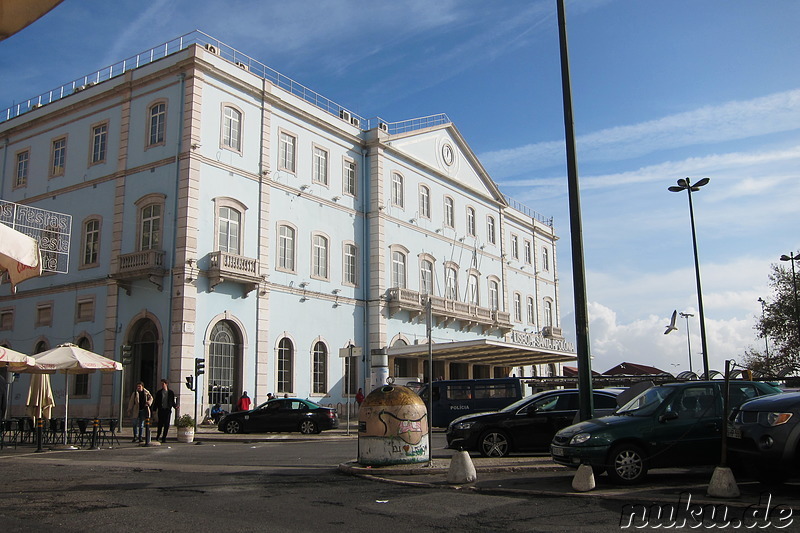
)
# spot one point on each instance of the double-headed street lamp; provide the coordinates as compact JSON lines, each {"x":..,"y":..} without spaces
{"x":683,"y":185}
{"x":791,"y":257}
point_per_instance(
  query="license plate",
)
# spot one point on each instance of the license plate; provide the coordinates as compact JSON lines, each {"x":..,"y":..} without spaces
{"x":734,"y":433}
{"x":557,"y":451}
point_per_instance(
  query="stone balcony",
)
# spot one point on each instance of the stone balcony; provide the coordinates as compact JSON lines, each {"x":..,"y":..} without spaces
{"x":227,"y":267}
{"x":145,"y":264}
{"x":552,"y":332}
{"x":446,"y":311}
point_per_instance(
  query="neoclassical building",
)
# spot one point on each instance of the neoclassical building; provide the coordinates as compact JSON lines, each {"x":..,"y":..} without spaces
{"x":222,"y":211}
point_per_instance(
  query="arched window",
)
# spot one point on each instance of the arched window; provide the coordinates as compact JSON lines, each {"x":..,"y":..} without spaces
{"x":472,"y":290}
{"x":426,"y":277}
{"x":398,"y":269}
{"x":490,"y":230}
{"x":449,"y":212}
{"x":451,"y":283}
{"x":424,"y":202}
{"x":545,"y":259}
{"x":40,"y":347}
{"x":398,"y":192}
{"x":286,"y":248}
{"x":230,"y":221}
{"x":494,"y":295}
{"x":319,"y":257}
{"x":548,"y":313}
{"x":320,"y":368}
{"x":232,"y":129}
{"x":222,"y":366}
{"x":530,"y":309}
{"x":470,"y":221}
{"x":285,"y":364}
{"x":158,"y":123}
{"x":151,"y":227}
{"x":91,"y":242}
{"x":517,"y":307}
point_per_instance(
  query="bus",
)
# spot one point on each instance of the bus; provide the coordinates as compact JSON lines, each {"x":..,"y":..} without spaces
{"x":457,"y":397}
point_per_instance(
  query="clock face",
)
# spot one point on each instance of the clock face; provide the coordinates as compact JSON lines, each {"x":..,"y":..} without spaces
{"x":448,"y":155}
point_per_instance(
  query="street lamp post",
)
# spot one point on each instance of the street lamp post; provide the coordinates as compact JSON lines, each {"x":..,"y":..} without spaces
{"x":688,"y":338}
{"x":683,"y":185}
{"x":791,"y":257}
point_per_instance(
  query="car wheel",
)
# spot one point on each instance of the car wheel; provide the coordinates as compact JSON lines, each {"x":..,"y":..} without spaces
{"x":627,"y":464}
{"x":233,"y":426}
{"x":494,"y":444}
{"x":307,"y":427}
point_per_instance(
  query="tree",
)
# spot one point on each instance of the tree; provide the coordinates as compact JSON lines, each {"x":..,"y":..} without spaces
{"x":781,"y":325}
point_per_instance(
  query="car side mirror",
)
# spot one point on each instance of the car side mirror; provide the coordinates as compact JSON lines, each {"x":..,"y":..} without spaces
{"x":669,"y":415}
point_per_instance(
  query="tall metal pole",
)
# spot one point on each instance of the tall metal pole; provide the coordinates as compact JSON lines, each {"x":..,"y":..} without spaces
{"x":699,"y":289}
{"x":791,"y":257}
{"x":429,"y":333}
{"x":766,"y":338}
{"x":688,"y":339}
{"x":576,"y":231}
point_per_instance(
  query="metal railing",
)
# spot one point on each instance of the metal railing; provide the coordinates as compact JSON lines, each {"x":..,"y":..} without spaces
{"x":524,"y":209}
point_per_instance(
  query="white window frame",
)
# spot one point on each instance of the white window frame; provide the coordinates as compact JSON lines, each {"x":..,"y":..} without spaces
{"x":530,"y":303}
{"x":514,"y":246}
{"x":545,"y":258}
{"x":23,"y":164}
{"x":491,"y":228}
{"x":473,"y":291}
{"x":398,"y":190}
{"x":142,"y":204}
{"x":424,"y":202}
{"x":90,"y":237}
{"x":319,"y":158}
{"x":427,"y":276}
{"x":548,"y":312}
{"x":527,"y":248}
{"x":232,"y":128}
{"x":451,"y":281}
{"x":449,"y":212}
{"x":287,"y":151}
{"x":320,"y":256}
{"x":350,"y":264}
{"x":156,"y":124}
{"x":58,"y":156}
{"x":471,"y":221}
{"x":517,"y":307}
{"x":287,"y":248}
{"x":350,"y":177}
{"x":494,"y":293}
{"x":99,"y":144}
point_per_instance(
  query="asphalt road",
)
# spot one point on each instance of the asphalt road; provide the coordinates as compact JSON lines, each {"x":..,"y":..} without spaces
{"x":272,"y":486}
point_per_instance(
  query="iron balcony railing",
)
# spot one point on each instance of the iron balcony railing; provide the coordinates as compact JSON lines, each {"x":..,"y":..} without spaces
{"x":524,"y":209}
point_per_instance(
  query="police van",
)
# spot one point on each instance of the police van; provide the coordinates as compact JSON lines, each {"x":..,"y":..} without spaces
{"x":457,"y":397}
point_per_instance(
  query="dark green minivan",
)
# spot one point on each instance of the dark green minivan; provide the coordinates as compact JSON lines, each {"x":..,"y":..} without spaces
{"x":677,"y":424}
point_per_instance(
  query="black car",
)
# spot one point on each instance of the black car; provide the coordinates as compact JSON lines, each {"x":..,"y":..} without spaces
{"x":765,"y":436}
{"x":527,"y":425}
{"x":283,"y":414}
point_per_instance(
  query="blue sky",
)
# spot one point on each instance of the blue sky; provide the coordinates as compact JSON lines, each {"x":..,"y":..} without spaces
{"x":661,"y":91}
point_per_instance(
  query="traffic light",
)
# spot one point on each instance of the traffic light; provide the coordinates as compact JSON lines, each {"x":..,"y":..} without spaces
{"x":190,"y":382}
{"x":127,"y":354}
{"x":199,"y":366}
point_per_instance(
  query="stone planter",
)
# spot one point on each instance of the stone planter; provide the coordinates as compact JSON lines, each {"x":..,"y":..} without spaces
{"x":186,"y":434}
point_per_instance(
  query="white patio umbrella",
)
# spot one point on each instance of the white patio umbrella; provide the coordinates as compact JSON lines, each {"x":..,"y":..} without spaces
{"x":40,"y":397}
{"x":19,"y":255}
{"x":71,"y":359}
{"x":15,"y":361}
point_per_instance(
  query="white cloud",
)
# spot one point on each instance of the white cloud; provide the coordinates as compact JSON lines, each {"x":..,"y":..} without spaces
{"x":729,"y":121}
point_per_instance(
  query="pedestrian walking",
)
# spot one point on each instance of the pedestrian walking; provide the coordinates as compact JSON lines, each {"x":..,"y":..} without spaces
{"x":164,"y":403}
{"x":244,"y":402}
{"x":139,"y":410}
{"x":360,"y":396}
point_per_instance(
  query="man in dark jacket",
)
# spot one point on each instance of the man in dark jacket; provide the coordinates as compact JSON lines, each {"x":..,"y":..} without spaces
{"x":164,"y":402}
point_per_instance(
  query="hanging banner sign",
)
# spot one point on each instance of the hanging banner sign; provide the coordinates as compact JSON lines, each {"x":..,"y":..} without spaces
{"x":51,"y":230}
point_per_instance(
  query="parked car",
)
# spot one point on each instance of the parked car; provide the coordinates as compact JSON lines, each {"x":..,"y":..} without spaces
{"x":526,"y":425}
{"x":677,"y":424}
{"x":282,"y":414}
{"x":765,"y":436}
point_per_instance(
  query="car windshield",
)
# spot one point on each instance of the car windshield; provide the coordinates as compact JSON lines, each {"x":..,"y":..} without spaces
{"x":519,"y":403}
{"x":647,"y":402}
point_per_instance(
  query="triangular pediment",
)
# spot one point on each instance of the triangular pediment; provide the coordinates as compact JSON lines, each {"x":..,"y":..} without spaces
{"x":444,"y":150}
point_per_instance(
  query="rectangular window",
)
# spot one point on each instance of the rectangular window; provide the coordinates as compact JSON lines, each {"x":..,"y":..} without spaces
{"x":58,"y":157}
{"x":449,"y":213}
{"x":6,"y":319}
{"x":450,"y":284}
{"x":84,"y":311}
{"x":517,"y":308}
{"x":530,"y":310}
{"x":490,"y":230}
{"x":44,"y":315}
{"x":286,"y":152}
{"x":23,"y":159}
{"x":528,"y":252}
{"x":230,"y":221}
{"x":514,"y":247}
{"x":350,"y":177}
{"x":350,"y":264}
{"x":398,"y":270}
{"x":99,"y":141}
{"x":398,"y":193}
{"x":424,"y":202}
{"x":426,"y":277}
{"x":320,"y":168}
{"x":545,"y":259}
{"x":81,"y":387}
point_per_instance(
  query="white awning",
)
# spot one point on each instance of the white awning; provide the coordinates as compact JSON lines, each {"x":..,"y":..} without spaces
{"x":484,"y":352}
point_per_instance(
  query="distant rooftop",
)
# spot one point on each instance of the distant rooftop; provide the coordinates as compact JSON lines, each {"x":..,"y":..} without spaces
{"x":254,"y":67}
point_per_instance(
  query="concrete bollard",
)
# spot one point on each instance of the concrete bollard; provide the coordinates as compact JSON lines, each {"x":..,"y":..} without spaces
{"x":39,"y":429}
{"x":723,"y":484}
{"x":461,"y":469}
{"x":584,"y":479}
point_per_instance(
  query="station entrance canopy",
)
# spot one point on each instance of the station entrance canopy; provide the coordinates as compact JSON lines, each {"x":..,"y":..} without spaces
{"x":533,"y":350}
